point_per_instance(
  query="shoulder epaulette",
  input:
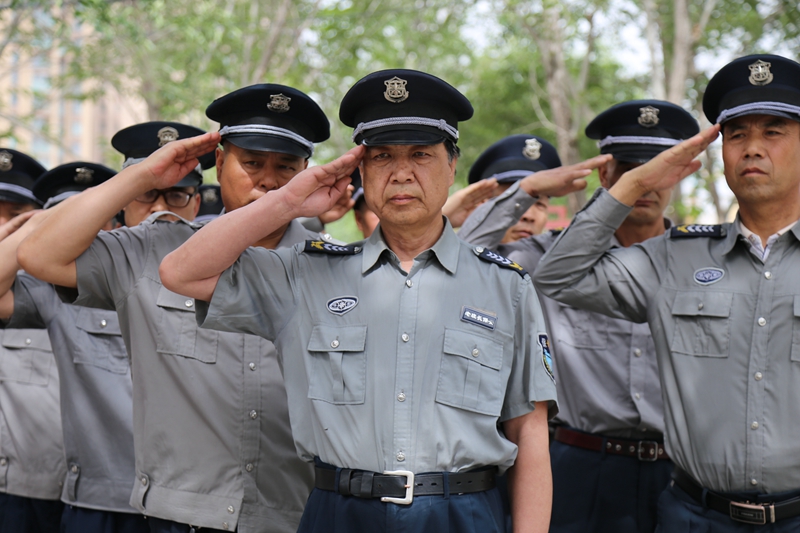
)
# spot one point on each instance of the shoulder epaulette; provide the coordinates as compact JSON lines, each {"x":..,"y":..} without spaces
{"x":322,"y":247}
{"x":493,"y":257}
{"x":714,"y":231}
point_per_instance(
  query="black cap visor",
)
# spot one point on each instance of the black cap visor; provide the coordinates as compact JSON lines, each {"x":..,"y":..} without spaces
{"x":634,"y":153}
{"x":8,"y":196}
{"x":192,"y":179}
{"x":267,"y":143}
{"x":389,"y":135}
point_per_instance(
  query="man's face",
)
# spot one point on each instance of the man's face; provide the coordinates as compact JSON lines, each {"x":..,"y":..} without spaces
{"x":138,"y":211}
{"x":649,"y":208}
{"x":762,"y":158}
{"x":246,"y":175}
{"x":407,"y":185}
{"x":9,"y":210}
{"x":531,"y":223}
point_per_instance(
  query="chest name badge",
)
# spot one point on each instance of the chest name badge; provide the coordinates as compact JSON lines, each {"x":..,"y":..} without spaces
{"x":707,"y":276}
{"x":479,"y":318}
{"x":342,"y":305}
{"x":547,"y":358}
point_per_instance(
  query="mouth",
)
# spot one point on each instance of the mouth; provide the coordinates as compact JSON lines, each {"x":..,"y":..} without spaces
{"x":401,"y":199}
{"x":753,"y":171}
{"x":643,"y":203}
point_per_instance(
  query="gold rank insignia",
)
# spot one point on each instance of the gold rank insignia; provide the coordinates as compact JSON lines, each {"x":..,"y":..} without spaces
{"x":648,"y":117}
{"x":497,"y":259}
{"x":84,"y":176}
{"x":532,"y":150}
{"x":697,"y":230}
{"x":323,"y":247}
{"x":5,"y":161}
{"x":278,"y":103}
{"x":167,"y":135}
{"x":759,"y":73}
{"x":396,"y":90}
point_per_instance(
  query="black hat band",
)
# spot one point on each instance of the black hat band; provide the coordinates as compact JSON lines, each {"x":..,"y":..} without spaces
{"x":264,"y":129}
{"x":57,"y":199}
{"x":638,"y":139}
{"x":756,"y":107}
{"x":21,"y":191}
{"x":406,"y":121}
{"x":512,"y":174}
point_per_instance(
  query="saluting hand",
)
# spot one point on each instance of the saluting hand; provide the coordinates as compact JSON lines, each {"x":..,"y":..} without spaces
{"x":561,"y":181}
{"x":317,"y":189}
{"x":462,"y":203}
{"x":15,"y":223}
{"x":665,"y":170}
{"x":172,"y":162}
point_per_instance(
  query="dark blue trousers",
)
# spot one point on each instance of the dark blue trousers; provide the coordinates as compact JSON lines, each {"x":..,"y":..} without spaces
{"x":29,"y":515}
{"x":158,"y":525}
{"x":81,"y":520}
{"x":329,"y":512}
{"x":679,"y":513}
{"x":594,"y":492}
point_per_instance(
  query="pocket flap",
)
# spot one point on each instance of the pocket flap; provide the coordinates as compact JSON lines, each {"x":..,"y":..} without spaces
{"x":337,"y":339}
{"x":173,"y":300}
{"x":797,"y":306}
{"x":716,"y":304}
{"x":474,"y":347}
{"x":25,"y":338}
{"x":98,"y":321}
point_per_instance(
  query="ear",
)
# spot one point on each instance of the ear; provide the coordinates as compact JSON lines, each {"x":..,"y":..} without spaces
{"x":196,"y":200}
{"x":604,"y":174}
{"x":452,"y":164}
{"x":219,"y":156}
{"x":305,"y":164}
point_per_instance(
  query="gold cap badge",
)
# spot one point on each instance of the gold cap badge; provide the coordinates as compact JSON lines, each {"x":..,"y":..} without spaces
{"x":278,"y":103}
{"x":395,"y":90}
{"x":84,"y":176}
{"x":5,"y":161}
{"x":648,"y":117}
{"x":209,"y":196}
{"x":532,"y":150}
{"x":167,"y":135}
{"x":759,"y":73}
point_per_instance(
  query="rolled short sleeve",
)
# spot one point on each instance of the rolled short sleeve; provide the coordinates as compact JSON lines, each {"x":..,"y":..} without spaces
{"x":109,"y":269}
{"x":35,"y":303}
{"x":531,"y":378}
{"x":256,"y":295}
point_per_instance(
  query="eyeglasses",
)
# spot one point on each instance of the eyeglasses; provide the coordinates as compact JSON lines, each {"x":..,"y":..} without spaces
{"x":173,"y":198}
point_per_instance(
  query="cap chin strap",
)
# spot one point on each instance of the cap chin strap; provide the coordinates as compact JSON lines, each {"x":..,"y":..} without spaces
{"x":273,"y":131}
{"x":134,"y":160}
{"x":406,"y":121}
{"x":755,"y":107}
{"x":638,"y":139}
{"x":53,"y":200}
{"x":16,"y":189}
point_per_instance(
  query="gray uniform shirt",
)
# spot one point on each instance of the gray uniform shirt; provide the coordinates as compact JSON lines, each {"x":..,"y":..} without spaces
{"x":96,"y":403}
{"x":210,"y":421}
{"x":606,"y":369}
{"x":388,"y":370}
{"x":727,"y":334}
{"x":31,"y":441}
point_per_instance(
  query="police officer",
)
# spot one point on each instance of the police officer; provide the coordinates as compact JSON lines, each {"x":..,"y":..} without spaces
{"x":212,"y":440}
{"x":721,"y":301}
{"x":608,"y":458}
{"x":408,"y":351}
{"x":31,"y":442}
{"x":94,"y":374}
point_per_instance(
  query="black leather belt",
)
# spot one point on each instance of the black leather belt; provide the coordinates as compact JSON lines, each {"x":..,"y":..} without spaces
{"x":746,"y":511}
{"x":401,"y":486}
{"x":643,"y":450}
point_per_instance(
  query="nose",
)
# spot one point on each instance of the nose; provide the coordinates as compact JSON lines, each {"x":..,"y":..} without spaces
{"x":403,"y":171}
{"x":159,"y":205}
{"x":754,"y":147}
{"x":265,"y":181}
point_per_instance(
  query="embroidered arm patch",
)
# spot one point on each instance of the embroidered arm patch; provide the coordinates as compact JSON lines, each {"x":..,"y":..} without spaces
{"x":683,"y":231}
{"x":493,"y":257}
{"x":322,"y":247}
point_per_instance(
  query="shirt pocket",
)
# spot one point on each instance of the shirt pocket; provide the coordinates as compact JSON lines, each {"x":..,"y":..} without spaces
{"x":26,"y":358}
{"x":702,"y":323}
{"x":338,"y":365}
{"x":178,"y":333}
{"x":101,"y":343}
{"x":470,"y":374}
{"x":796,"y":330}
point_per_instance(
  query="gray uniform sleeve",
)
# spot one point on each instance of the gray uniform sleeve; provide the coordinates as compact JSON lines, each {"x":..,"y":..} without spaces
{"x":35,"y":303}
{"x":487,"y":225}
{"x":256,"y":295}
{"x":109,"y":269}
{"x":580,"y":270}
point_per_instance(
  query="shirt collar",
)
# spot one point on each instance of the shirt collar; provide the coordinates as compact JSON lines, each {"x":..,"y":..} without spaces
{"x":747,"y":233}
{"x":295,"y":232}
{"x":445,"y":250}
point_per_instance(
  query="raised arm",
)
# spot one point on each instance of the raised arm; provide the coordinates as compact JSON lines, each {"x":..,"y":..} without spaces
{"x":49,"y":253}
{"x":194,"y":268}
{"x":11,"y":234}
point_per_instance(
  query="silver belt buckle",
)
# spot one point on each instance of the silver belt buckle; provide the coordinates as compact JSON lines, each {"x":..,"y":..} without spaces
{"x":409,"y":497}
{"x":752,"y":513}
{"x":640,"y":449}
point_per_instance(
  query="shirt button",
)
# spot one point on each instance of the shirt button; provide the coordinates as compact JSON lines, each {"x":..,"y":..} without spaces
{"x":253,"y":414}
{"x":335,"y":343}
{"x":754,"y":425}
{"x":768,"y":275}
{"x":700,"y":305}
{"x":231,"y":509}
{"x":409,"y":283}
{"x":637,"y":352}
{"x":475,"y":352}
{"x":189,"y":303}
{"x":27,"y":341}
{"x":103,"y":323}
{"x":401,"y":457}
{"x":762,"y":321}
{"x":249,"y":467}
{"x":3,"y":461}
{"x":754,"y":481}
{"x":144,"y":481}
{"x":405,"y":337}
{"x":637,"y":395}
{"x":401,"y":397}
{"x":74,"y":469}
{"x":225,"y":525}
{"x":758,"y":376}
{"x":252,"y":366}
{"x":517,"y":206}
